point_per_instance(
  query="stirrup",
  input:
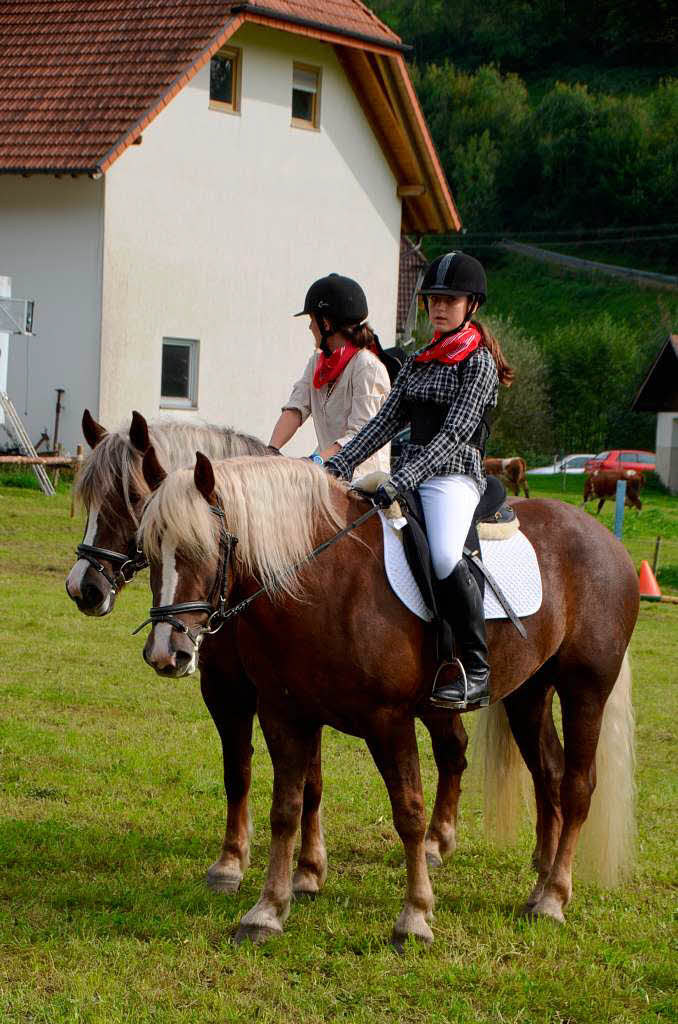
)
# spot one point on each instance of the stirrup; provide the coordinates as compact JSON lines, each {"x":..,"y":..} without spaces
{"x":461,"y":703}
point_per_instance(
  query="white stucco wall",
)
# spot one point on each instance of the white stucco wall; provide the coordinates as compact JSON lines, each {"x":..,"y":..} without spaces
{"x":667,"y":449}
{"x":217,"y":223}
{"x":50,"y":245}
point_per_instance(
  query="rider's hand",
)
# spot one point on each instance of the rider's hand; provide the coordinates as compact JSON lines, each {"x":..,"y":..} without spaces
{"x":385,"y":495}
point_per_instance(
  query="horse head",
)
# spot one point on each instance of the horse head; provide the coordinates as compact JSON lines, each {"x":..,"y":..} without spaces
{"x":189,"y":567}
{"x":112,"y":489}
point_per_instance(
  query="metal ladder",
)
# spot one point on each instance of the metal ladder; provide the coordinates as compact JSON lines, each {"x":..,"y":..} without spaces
{"x":12,"y":420}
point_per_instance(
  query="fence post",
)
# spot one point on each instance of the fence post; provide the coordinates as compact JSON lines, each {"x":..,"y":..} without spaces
{"x":619,"y":508}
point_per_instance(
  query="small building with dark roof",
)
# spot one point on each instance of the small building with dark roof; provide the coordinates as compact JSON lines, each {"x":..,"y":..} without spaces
{"x":659,"y":393}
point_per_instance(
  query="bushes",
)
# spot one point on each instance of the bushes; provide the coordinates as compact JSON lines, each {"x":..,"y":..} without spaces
{"x":575,"y":158}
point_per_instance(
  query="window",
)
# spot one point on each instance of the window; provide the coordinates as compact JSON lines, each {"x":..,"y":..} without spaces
{"x":179,"y":381}
{"x":646,"y":460}
{"x":224,"y":81}
{"x":305,"y":96}
{"x":577,"y":462}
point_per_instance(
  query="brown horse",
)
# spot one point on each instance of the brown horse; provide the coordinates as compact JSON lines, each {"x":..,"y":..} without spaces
{"x":512,"y":471}
{"x":351,"y":656}
{"x":112,"y":488}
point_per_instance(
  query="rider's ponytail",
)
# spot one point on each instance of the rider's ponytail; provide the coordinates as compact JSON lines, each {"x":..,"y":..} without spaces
{"x":360,"y":335}
{"x":505,"y":372}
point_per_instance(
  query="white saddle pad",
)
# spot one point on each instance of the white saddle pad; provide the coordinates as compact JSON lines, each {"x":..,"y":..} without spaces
{"x":512,"y":562}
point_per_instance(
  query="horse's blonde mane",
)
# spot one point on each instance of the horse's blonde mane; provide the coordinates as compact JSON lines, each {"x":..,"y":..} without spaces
{"x":116,"y":464}
{"x":275,"y":507}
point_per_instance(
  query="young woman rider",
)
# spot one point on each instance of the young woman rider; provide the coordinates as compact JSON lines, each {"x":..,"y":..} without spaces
{"x":345,"y":381}
{"x":445,"y":392}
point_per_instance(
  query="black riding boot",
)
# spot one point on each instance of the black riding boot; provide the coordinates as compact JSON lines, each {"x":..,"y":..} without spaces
{"x":463,"y":683}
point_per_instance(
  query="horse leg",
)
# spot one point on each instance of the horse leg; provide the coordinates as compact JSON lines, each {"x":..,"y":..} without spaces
{"x":292,"y":748}
{"x":529,"y":712}
{"x":526,"y":489}
{"x":600,"y":505}
{"x":449,"y":742}
{"x":393,"y":745}
{"x":311,"y":870}
{"x":232,"y":709}
{"x":582,"y":708}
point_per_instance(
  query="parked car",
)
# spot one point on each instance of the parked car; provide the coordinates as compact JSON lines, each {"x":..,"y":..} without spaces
{"x":568,"y":464}
{"x":641,"y":461}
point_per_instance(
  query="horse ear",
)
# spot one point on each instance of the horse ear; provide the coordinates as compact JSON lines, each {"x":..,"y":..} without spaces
{"x":138,"y":432}
{"x":154,"y":474}
{"x":203,"y":475}
{"x":92,"y":430}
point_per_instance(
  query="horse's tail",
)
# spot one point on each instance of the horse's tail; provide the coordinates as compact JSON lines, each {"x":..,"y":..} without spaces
{"x":607,"y":840}
{"x":505,"y":781}
{"x":523,"y":476}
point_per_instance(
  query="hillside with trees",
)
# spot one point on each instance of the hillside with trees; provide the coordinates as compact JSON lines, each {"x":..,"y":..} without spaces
{"x":557,"y":122}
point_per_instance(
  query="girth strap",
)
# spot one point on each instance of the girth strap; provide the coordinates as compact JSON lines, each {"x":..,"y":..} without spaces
{"x":480,"y":565}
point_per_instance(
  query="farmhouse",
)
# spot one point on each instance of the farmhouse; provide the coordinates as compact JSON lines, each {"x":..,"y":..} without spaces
{"x":174,"y":173}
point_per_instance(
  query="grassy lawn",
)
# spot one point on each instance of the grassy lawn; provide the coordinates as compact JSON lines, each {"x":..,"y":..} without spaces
{"x":112,"y":809}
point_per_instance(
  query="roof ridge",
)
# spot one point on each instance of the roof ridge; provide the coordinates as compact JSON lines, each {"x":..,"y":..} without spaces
{"x":375,"y":17}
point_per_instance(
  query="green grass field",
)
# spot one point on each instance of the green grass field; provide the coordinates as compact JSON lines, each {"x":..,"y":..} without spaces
{"x":112,"y":809}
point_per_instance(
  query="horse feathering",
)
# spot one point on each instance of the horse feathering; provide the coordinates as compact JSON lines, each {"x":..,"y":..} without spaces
{"x":115,"y":464}
{"x":275,"y":507}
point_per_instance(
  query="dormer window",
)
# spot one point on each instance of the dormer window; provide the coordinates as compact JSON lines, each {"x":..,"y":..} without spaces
{"x":224,"y":81}
{"x":305,"y":96}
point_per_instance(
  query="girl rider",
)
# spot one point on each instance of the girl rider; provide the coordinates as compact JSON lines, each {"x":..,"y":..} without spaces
{"x":445,"y":391}
{"x":345,"y":381}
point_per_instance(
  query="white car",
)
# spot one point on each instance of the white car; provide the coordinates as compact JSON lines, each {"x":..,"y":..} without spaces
{"x":569,"y":464}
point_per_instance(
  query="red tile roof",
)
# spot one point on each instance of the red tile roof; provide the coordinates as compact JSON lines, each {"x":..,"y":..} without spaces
{"x":77,"y":75}
{"x":81,"y":79}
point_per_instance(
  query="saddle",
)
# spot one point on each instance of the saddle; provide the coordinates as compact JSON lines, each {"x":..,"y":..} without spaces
{"x":493,"y":519}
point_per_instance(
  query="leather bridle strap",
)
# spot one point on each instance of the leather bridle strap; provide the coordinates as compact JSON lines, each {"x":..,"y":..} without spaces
{"x":219,"y":615}
{"x":216,"y":613}
{"x":92,"y":554}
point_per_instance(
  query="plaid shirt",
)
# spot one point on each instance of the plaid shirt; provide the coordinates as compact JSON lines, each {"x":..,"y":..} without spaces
{"x":466,"y":388}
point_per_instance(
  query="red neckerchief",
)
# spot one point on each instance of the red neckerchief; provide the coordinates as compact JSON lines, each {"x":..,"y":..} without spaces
{"x":328,"y":368}
{"x":451,"y":348}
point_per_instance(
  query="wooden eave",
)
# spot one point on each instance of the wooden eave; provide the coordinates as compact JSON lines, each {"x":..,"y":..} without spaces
{"x":383,"y":87}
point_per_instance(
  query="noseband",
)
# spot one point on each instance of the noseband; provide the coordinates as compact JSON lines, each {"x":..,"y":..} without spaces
{"x":127,"y":565}
{"x":214,"y":610}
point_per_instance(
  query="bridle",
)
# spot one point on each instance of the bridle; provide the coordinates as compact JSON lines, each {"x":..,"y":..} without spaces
{"x":214,"y":610}
{"x":217,"y":612}
{"x":126,"y":566}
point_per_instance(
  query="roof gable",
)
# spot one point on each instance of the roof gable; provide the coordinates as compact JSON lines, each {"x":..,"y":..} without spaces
{"x":81,"y":79}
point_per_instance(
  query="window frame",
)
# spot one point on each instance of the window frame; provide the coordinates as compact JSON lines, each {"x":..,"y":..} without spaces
{"x":234,"y":53}
{"x":298,"y":122}
{"x":190,"y":402}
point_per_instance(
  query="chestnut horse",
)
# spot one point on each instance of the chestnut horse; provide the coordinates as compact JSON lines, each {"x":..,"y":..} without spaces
{"x":513,"y":471}
{"x":112,"y":488}
{"x":351,"y":656}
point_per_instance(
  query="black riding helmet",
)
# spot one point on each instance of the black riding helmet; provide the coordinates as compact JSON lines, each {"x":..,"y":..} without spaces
{"x":455,"y":273}
{"x":340,"y":300}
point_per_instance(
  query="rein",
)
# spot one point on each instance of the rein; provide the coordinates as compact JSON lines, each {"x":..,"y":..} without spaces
{"x":219,"y":615}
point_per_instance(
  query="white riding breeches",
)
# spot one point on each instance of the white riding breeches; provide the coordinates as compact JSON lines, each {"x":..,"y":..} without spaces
{"x":449,"y":503}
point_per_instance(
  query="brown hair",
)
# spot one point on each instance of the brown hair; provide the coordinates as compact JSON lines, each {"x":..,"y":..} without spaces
{"x":505,"y":372}
{"x":360,"y":335}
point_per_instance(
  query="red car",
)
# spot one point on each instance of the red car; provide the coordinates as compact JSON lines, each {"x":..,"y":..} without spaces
{"x":638,"y":460}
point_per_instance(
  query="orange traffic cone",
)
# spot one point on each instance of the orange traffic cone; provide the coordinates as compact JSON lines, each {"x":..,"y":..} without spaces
{"x":649,"y":588}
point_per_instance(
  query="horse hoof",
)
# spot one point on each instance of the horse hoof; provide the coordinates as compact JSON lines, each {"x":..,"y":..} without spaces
{"x":398,"y":939}
{"x":255,"y":933}
{"x":547,"y":912}
{"x":223,"y":883}
{"x":434,"y":860}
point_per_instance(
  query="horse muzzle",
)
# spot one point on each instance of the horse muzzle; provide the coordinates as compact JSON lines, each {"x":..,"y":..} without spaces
{"x":89,"y":590}
{"x":170,"y":653}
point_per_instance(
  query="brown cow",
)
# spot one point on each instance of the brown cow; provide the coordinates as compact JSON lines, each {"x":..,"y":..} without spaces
{"x":602,"y":483}
{"x":511,"y":470}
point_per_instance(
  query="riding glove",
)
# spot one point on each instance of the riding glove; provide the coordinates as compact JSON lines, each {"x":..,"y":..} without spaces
{"x":385,"y":495}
